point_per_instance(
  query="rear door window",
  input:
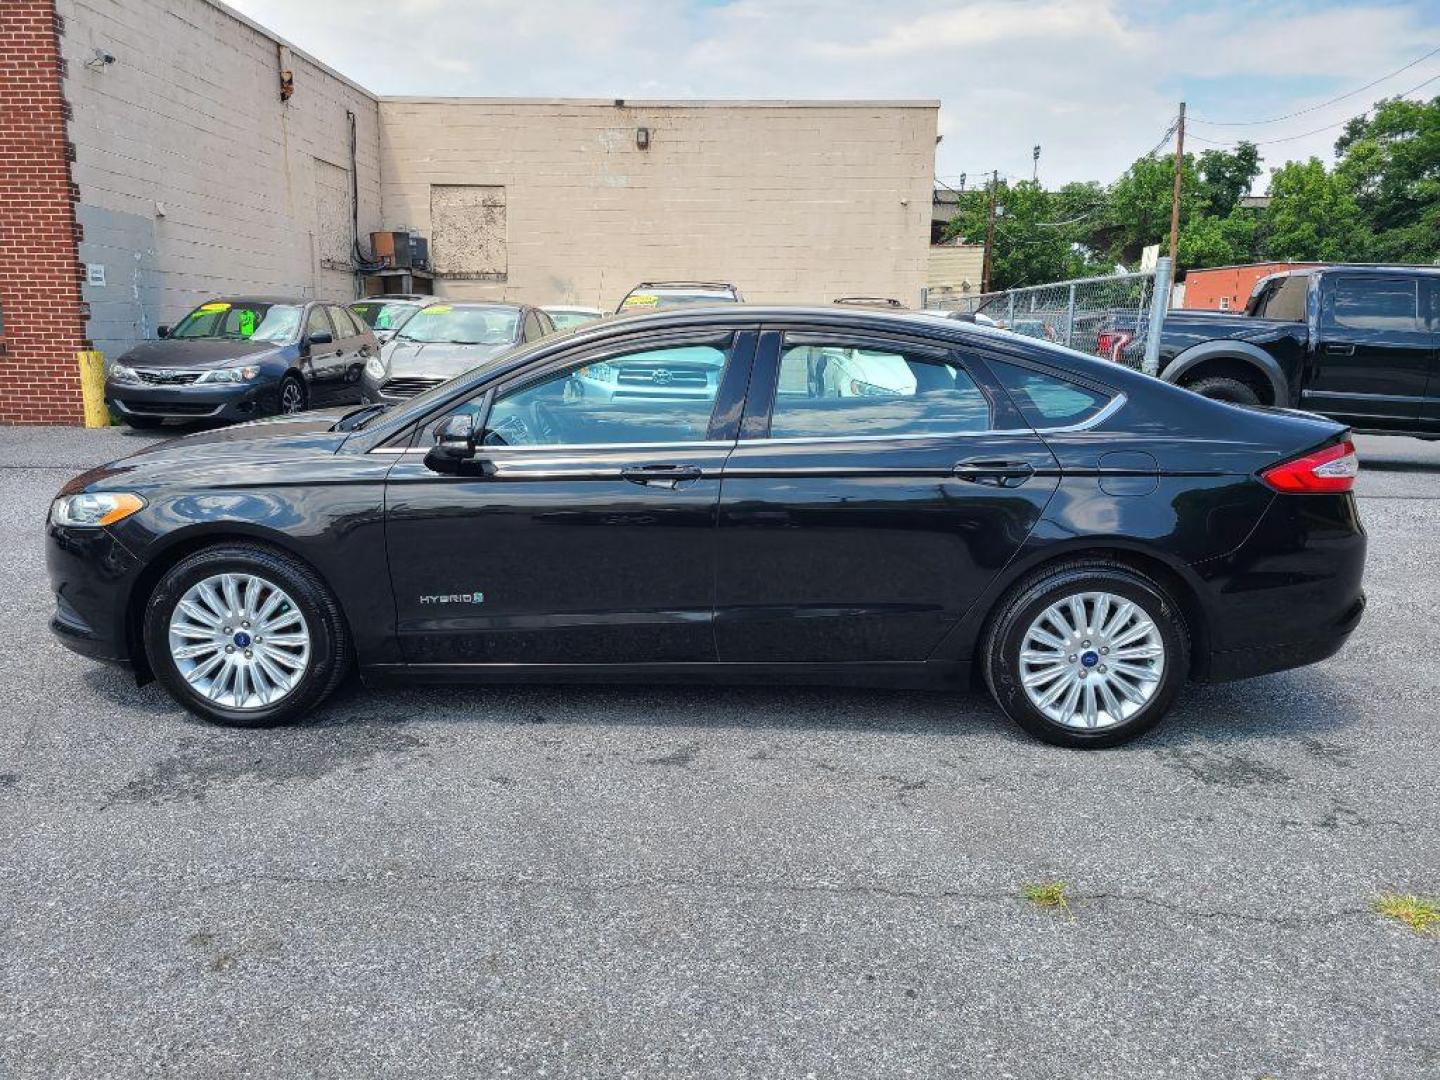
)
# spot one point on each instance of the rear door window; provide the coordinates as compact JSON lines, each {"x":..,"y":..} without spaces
{"x":841,"y":390}
{"x":1373,"y":304}
{"x":1285,"y":299}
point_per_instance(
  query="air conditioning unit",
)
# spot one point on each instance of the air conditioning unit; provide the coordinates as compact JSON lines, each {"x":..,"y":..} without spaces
{"x":391,"y":248}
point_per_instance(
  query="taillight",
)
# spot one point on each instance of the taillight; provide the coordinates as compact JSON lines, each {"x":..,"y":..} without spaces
{"x":1331,"y":469}
{"x":1111,"y":343}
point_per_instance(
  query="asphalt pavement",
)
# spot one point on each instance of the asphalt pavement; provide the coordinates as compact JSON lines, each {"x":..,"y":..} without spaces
{"x":641,"y":882}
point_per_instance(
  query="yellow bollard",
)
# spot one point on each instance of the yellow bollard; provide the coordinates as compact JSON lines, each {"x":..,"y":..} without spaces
{"x":92,"y":387}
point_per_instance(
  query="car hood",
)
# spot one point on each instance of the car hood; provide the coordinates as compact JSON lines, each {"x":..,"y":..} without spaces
{"x":199,"y":353}
{"x":440,"y":360}
{"x":224,"y":451}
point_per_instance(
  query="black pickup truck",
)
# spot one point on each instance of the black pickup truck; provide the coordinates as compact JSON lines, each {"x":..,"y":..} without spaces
{"x":1359,"y":344}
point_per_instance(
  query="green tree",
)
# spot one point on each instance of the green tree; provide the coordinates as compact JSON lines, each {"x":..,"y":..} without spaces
{"x":1225,"y":175}
{"x":1312,"y":217}
{"x":1035,"y":236}
{"x":1219,"y":241}
{"x":1140,"y":206}
{"x":1389,"y":159}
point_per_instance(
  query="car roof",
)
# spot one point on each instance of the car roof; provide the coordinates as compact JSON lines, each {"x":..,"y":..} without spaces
{"x":471,"y":304}
{"x":1357,"y":268}
{"x":570,"y":307}
{"x":295,"y":300}
{"x":396,"y":298}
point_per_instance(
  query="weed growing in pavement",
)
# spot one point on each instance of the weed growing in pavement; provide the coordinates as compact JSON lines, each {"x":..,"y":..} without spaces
{"x":1420,"y":913}
{"x":1049,"y":895}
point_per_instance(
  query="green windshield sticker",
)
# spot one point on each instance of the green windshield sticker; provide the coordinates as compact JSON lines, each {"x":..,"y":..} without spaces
{"x":247,"y":322}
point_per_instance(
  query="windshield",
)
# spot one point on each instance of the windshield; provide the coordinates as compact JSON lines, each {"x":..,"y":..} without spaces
{"x":654,"y":301}
{"x":462,"y":325}
{"x":380,"y":315}
{"x":564,"y":320}
{"x":241,"y":322}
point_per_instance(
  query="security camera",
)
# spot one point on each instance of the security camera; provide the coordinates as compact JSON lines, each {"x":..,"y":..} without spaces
{"x":101,"y":59}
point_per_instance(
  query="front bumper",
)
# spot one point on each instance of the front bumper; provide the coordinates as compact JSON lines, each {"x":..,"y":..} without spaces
{"x":92,"y":575}
{"x":196,"y":401}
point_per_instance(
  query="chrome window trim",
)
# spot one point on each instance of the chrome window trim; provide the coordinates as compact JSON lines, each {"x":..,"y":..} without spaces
{"x":1115,"y":405}
{"x":551,"y":447}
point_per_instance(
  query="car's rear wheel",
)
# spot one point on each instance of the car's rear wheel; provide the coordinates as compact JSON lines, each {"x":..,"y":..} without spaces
{"x":1087,"y":654}
{"x":243,"y":635}
{"x":1223,"y":388}
{"x":292,"y":395}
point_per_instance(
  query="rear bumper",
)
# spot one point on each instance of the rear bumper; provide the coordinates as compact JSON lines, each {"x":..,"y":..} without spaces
{"x":1291,"y":594}
{"x":218,"y":401}
{"x":1246,"y":663}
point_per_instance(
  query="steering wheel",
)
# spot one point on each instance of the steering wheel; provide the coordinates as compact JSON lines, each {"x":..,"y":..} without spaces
{"x":544,"y":424}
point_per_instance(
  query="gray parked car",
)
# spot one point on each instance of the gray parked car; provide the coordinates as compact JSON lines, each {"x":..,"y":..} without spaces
{"x":446,"y":339}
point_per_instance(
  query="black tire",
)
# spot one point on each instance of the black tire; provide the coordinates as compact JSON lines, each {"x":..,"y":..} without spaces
{"x":1015,"y":613}
{"x":329,"y":636}
{"x":292,"y":388}
{"x":1224,"y":388}
{"x":144,"y":423}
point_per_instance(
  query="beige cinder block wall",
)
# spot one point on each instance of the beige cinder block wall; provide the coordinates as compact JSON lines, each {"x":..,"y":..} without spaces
{"x":552,"y":201}
{"x":195,"y":179}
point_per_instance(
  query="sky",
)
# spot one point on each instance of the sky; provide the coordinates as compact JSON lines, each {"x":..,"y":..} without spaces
{"x":1095,"y":83}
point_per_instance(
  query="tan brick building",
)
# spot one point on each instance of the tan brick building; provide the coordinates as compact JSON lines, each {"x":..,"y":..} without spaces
{"x":189,"y":176}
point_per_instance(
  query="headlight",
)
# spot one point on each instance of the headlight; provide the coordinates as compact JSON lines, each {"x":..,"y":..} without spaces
{"x":94,"y":510}
{"x":229,"y":375}
{"x":121,"y":373}
{"x":375,"y":368}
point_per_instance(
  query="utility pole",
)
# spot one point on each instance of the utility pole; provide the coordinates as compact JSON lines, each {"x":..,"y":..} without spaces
{"x":1175,"y":196}
{"x":989,"y":234}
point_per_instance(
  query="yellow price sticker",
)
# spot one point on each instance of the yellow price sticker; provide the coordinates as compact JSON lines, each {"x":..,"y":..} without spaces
{"x":435,"y":309}
{"x":215,"y":307}
{"x":641,"y":300}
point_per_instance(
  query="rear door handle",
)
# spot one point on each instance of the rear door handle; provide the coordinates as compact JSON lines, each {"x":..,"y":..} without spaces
{"x":660,"y":475}
{"x":995,"y":473}
{"x":1336,"y":349}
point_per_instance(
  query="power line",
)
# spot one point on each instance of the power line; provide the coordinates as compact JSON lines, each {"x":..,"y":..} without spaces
{"x":1321,"y":105}
{"x":1313,"y":131}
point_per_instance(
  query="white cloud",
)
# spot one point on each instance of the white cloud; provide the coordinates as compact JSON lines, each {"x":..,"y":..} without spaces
{"x":1094,"y":82}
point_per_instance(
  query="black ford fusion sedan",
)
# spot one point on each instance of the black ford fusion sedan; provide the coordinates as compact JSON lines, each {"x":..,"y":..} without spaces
{"x":242,"y":357}
{"x":827,"y":495}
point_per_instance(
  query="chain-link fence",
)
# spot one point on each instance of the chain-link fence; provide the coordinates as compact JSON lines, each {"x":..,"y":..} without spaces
{"x":1107,"y":316}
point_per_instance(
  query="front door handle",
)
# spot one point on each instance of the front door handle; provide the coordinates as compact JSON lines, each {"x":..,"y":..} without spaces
{"x":995,"y":473}
{"x":660,"y":475}
{"x":1336,"y":349}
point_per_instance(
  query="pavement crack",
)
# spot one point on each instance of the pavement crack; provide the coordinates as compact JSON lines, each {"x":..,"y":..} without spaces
{"x":1007,"y":896}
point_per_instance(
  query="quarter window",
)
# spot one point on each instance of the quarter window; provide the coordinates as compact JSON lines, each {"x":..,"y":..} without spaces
{"x":656,"y":396}
{"x":840,"y":390}
{"x":1373,"y":304}
{"x":1047,"y":401}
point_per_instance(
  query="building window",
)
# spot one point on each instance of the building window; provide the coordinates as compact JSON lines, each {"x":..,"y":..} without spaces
{"x":467,"y":232}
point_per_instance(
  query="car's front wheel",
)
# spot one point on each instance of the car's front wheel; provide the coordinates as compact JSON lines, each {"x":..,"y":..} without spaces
{"x":1088,"y":654}
{"x":244,"y":635}
{"x":292,"y":395}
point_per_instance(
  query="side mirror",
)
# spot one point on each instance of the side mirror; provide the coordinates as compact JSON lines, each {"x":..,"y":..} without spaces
{"x":454,"y":444}
{"x":162,"y":331}
{"x":320,"y":337}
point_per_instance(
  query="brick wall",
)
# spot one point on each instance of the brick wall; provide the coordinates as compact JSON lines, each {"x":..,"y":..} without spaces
{"x":40,"y":302}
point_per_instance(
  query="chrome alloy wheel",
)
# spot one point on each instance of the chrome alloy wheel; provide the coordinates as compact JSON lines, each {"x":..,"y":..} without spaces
{"x":292,"y":397}
{"x":1092,"y":660}
{"x":239,"y":640}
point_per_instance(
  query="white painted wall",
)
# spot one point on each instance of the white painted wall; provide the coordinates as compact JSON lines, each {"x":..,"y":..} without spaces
{"x":195,"y":180}
{"x":792,"y":201}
